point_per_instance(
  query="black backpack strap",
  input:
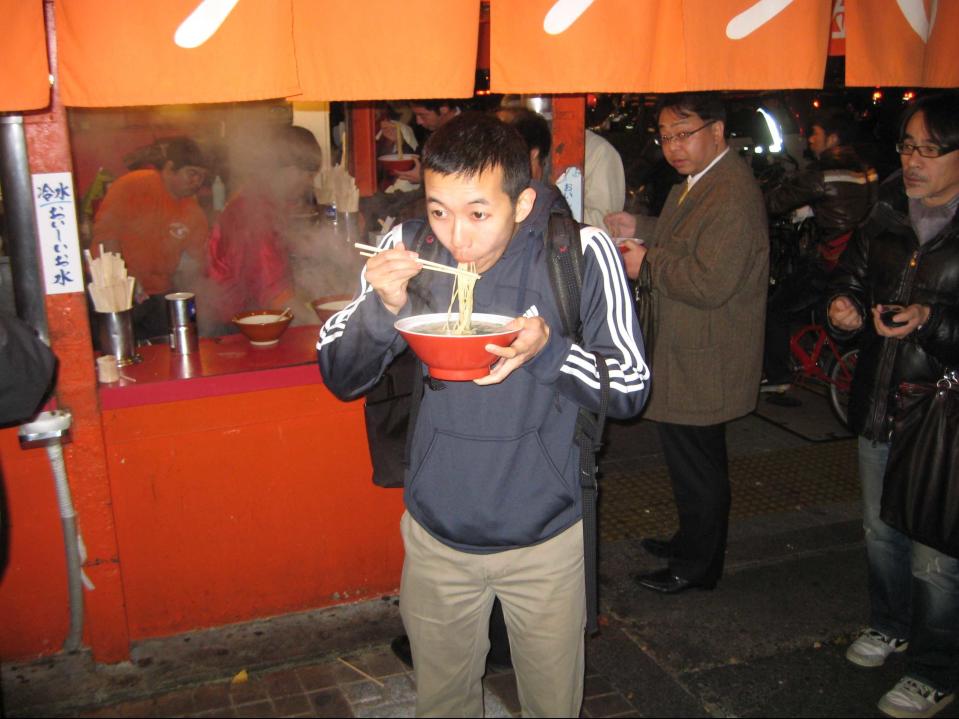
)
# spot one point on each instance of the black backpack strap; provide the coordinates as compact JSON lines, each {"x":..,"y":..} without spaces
{"x":565,"y":252}
{"x":418,"y":236}
{"x":589,"y":436}
{"x":566,"y":268}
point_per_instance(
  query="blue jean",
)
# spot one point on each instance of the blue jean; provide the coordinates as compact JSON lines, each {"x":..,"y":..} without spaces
{"x":913,"y":589}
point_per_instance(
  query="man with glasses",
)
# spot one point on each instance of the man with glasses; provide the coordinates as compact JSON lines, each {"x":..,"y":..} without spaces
{"x":905,"y":259}
{"x":707,"y":256}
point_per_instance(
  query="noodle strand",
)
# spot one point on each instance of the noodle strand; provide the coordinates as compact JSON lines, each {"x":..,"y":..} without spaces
{"x":463,"y":296}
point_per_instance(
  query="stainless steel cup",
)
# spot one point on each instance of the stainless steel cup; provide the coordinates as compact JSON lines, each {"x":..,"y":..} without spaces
{"x":116,"y":336}
{"x":181,"y":313}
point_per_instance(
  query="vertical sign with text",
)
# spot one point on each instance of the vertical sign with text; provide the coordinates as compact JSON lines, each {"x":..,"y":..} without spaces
{"x":57,"y":225}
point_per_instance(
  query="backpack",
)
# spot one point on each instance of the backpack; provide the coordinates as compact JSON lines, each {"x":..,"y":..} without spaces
{"x":393,"y":403}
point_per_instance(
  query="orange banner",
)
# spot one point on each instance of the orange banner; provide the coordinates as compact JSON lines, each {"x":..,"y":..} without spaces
{"x":904,"y":43}
{"x":24,"y":81}
{"x":117,"y":52}
{"x":750,"y":45}
{"x":657,"y":45}
{"x":384,"y":49}
{"x":612,"y":46}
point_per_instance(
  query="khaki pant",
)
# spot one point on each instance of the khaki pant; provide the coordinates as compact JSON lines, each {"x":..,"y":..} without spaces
{"x":445,"y":601}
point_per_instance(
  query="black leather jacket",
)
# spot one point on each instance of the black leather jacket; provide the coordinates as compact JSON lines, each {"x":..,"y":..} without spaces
{"x":884,"y":263}
{"x":839,"y":187}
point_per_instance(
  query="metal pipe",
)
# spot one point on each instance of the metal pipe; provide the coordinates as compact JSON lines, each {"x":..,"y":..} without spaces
{"x":22,"y":242}
{"x":68,"y":520}
{"x":48,"y":430}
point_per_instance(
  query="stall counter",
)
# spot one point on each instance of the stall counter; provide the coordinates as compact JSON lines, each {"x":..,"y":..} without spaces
{"x":241,"y":489}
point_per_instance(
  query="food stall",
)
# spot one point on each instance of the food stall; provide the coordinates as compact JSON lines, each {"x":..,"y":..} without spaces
{"x":232,"y":485}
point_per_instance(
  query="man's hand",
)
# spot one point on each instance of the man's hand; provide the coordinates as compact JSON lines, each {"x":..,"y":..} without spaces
{"x":621,"y":224}
{"x":843,"y":314}
{"x":633,"y":255}
{"x":913,"y":316}
{"x":389,"y":273}
{"x":415,"y":174}
{"x":533,"y":334}
{"x":388,"y":129}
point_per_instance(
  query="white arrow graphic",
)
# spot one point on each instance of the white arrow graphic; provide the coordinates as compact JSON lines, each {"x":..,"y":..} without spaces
{"x":915,"y":13}
{"x":563,"y":14}
{"x":205,"y":20}
{"x":754,"y":17}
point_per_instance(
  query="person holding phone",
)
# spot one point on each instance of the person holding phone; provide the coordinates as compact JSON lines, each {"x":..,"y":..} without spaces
{"x":895,"y":291}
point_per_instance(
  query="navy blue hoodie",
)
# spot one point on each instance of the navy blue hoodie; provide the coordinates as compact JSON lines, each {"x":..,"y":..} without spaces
{"x":496,"y":467}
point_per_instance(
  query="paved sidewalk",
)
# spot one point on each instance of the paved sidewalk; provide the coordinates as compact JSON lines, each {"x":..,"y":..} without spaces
{"x":769,"y":641}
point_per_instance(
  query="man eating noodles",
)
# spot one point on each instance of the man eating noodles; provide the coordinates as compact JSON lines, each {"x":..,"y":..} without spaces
{"x":492,"y":492}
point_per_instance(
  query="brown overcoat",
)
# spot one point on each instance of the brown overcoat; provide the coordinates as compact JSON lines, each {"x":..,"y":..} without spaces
{"x":709,"y":265}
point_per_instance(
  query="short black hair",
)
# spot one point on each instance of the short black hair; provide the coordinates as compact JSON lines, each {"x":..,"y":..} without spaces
{"x":182,"y":152}
{"x":533,"y":128}
{"x":435,"y":104}
{"x":941,"y":115}
{"x":472,"y":143}
{"x":297,"y":147}
{"x":836,"y":121}
{"x":708,"y":105}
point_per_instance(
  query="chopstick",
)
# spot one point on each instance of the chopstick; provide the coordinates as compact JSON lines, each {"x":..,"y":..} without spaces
{"x":370,"y":251}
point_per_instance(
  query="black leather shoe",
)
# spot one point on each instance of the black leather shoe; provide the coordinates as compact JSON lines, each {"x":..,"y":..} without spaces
{"x":665,"y":582}
{"x":401,"y":648}
{"x":661,"y":548}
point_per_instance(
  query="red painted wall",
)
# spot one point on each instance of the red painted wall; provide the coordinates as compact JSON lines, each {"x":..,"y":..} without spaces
{"x":248,"y":505}
{"x":34,"y":609}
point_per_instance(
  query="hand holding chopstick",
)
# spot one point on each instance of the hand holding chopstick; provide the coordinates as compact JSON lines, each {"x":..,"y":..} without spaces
{"x":370,"y":251}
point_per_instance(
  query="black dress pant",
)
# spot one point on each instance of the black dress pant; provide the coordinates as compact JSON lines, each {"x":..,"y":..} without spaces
{"x":699,"y":471}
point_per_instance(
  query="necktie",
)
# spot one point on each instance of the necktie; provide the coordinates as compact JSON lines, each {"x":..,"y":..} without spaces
{"x":683,"y":196}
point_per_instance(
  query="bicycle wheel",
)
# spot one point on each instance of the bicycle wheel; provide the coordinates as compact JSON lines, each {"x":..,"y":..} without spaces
{"x":840,"y":382}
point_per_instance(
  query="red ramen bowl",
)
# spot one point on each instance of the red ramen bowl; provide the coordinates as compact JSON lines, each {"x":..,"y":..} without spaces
{"x":328,"y":305}
{"x":455,"y":357}
{"x":394,"y":163}
{"x":262,"y":327}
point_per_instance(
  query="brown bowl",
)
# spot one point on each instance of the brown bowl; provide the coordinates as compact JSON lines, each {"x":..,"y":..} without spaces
{"x":394,"y":163}
{"x":262,"y":327}
{"x":328,"y":305}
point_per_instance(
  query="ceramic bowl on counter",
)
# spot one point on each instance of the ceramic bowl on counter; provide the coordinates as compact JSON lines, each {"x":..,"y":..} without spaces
{"x":328,"y":305}
{"x":263,"y":327}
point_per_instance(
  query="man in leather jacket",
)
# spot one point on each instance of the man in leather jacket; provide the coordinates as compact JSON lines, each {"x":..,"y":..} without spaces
{"x":906,"y":257}
{"x":840,"y":190}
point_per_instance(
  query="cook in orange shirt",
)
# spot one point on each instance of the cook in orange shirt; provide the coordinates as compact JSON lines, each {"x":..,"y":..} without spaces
{"x":153,"y":219}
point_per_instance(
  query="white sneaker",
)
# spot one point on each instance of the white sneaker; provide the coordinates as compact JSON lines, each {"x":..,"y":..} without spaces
{"x":778,"y":388}
{"x":872,"y":647}
{"x":911,"y":698}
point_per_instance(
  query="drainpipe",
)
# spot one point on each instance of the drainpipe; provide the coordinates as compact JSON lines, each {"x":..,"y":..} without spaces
{"x":21,"y":243}
{"x":48,"y":429}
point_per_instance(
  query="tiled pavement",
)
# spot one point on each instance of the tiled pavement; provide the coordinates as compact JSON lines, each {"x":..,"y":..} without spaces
{"x":768,"y":642}
{"x":331,"y":689}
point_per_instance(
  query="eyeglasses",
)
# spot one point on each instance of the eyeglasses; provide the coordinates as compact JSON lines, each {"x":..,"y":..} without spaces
{"x":663,"y":140}
{"x":927,"y":151}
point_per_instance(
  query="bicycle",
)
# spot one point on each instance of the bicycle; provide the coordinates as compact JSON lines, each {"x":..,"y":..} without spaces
{"x":817,"y":357}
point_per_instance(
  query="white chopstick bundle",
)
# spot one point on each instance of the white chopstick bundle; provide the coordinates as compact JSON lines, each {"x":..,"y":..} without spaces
{"x":370,"y":251}
{"x":111,"y":289}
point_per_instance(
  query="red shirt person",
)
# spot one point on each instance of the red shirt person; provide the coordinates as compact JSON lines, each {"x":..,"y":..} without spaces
{"x":247,"y":258}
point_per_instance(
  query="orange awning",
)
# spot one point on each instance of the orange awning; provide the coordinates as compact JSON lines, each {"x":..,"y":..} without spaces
{"x":118,"y":53}
{"x":658,"y":45}
{"x":25,"y":78}
{"x":384,"y":49}
{"x":907,"y":43}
